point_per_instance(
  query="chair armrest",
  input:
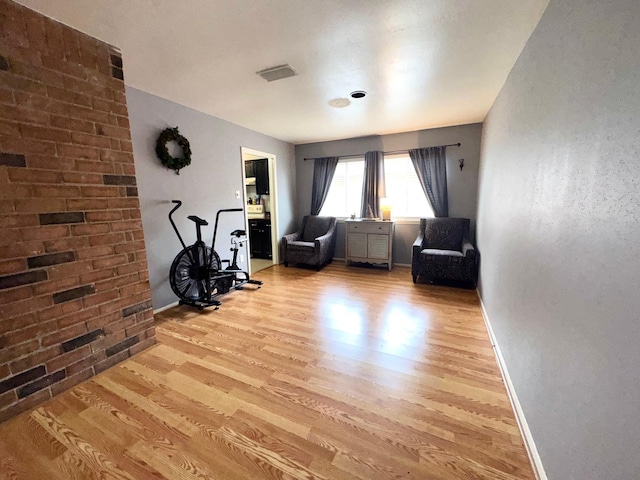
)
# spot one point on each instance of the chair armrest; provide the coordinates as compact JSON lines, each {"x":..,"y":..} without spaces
{"x":323,"y":239}
{"x":291,"y":237}
{"x":417,"y":245}
{"x":468,"y":250}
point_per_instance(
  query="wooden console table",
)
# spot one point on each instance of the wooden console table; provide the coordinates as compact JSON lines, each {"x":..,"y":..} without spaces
{"x":369,"y":242}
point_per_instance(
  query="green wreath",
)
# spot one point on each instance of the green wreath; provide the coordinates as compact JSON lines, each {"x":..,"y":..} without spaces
{"x":173,"y":135}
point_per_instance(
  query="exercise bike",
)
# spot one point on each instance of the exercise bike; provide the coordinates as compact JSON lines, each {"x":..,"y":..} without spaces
{"x":197,"y":276}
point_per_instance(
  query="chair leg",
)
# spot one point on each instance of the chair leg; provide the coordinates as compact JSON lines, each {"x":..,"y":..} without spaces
{"x":415,"y":278}
{"x":286,"y":264}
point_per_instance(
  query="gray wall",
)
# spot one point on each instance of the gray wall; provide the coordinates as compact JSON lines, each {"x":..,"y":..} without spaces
{"x":558,"y":235}
{"x":462,"y":184}
{"x":207,"y":185}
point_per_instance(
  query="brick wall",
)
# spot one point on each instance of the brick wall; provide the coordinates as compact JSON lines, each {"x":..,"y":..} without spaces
{"x":74,"y":290}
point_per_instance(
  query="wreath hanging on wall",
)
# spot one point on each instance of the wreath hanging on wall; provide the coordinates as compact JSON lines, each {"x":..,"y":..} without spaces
{"x":173,"y":135}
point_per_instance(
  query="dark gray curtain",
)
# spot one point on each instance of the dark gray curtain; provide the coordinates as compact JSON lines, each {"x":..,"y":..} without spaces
{"x":431,"y":168}
{"x":373,"y":186}
{"x":323,"y":170}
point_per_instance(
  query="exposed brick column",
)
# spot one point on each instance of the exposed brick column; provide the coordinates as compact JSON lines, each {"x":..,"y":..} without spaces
{"x":74,"y":289}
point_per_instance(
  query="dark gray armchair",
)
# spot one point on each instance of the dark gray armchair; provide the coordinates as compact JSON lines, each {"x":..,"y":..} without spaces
{"x":443,"y":250}
{"x":313,"y":244}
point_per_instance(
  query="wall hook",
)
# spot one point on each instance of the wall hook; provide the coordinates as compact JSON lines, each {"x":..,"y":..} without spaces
{"x":461,"y":163}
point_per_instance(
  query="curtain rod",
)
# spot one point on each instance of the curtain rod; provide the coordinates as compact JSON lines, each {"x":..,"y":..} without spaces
{"x":393,"y":152}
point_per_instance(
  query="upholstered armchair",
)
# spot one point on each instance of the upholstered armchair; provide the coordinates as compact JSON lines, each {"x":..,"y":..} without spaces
{"x":443,"y":250}
{"x":313,"y":244}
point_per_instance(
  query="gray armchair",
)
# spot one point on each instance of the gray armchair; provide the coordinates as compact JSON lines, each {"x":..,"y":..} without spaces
{"x":443,"y":250}
{"x":313,"y":244}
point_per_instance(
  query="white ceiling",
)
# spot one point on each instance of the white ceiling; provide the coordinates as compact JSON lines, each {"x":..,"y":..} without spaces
{"x":424,"y":63}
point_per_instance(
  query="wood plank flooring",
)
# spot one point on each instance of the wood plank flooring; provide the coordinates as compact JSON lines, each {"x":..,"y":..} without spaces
{"x":346,"y":374}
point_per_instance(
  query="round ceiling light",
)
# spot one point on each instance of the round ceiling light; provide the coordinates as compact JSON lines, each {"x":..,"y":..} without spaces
{"x":358,"y":94}
{"x":339,"y":102}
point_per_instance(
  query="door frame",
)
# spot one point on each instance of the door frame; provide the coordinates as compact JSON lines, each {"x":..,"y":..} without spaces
{"x":273,"y":197}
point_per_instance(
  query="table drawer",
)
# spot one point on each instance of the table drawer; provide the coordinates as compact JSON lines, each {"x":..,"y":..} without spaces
{"x":382,"y":228}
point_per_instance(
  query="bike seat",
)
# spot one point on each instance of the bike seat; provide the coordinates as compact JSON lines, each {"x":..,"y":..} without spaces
{"x":238,"y":233}
{"x":198,"y":220}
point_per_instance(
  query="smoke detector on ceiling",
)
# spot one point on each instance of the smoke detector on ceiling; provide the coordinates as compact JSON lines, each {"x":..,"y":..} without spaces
{"x":277,"y":73}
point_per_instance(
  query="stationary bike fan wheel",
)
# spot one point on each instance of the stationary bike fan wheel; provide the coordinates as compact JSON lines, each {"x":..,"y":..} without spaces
{"x":189,"y":272}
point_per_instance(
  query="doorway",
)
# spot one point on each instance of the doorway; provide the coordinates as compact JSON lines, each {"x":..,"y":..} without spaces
{"x":260,"y":208}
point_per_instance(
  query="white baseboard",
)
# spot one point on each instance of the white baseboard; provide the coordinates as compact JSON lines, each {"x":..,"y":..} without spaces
{"x":529,"y":443}
{"x":166,"y":307}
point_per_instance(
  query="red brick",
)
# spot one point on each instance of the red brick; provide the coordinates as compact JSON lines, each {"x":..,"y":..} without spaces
{"x":26,"y":147}
{"x":126,"y":225}
{"x":23,"y":249}
{"x":63,"y":191}
{"x":140,"y":327}
{"x":15,"y":350}
{"x":82,"y":365}
{"x":13,"y":266}
{"x":72,"y":124}
{"x":100,"y":298}
{"x":10,"y":129}
{"x":84,"y":113}
{"x":130,"y":246}
{"x":126,"y":146}
{"x":75,"y":204}
{"x":69,"y":358}
{"x":131,"y":202}
{"x":15,"y":294}
{"x":89,"y":229}
{"x":110,"y":191}
{"x":134,"y":289}
{"x":77,"y":151}
{"x":69,"y":97}
{"x":69,"y":269}
{"x":71,"y":45}
{"x":45,"y":162}
{"x":56,"y":311}
{"x":106,"y":239}
{"x":17,"y":322}
{"x":33,"y":102}
{"x":35,"y":32}
{"x":84,"y":178}
{"x":104,"y":216}
{"x":25,"y":404}
{"x":65,"y":244}
{"x":95,"y":252}
{"x":80,"y":316}
{"x":65,"y":334}
{"x":40,"y":205}
{"x":72,"y":380}
{"x":7,"y":398}
{"x":4,"y":371}
{"x":6,"y":96}
{"x":45,"y":232}
{"x":90,"y":140}
{"x":30,"y":175}
{"x":51,"y":286}
{"x":95,"y":276}
{"x":33,"y":360}
{"x":18,"y":220}
{"x":113,"y":156}
{"x":109,"y":261}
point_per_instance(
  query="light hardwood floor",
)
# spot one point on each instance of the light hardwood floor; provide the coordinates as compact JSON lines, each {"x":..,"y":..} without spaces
{"x":346,"y":373}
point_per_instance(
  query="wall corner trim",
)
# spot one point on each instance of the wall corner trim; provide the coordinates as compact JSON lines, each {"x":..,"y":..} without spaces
{"x":529,"y":443}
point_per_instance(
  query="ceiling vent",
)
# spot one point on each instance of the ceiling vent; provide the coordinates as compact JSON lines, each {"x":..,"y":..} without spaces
{"x":277,"y":73}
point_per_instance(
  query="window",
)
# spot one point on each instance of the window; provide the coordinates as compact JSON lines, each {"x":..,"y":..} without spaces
{"x":345,"y":192}
{"x":404,"y":192}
